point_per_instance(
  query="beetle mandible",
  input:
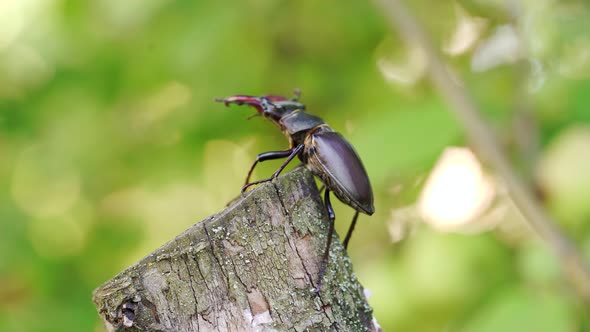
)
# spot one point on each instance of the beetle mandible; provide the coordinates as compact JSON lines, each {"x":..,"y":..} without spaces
{"x":322,"y":150}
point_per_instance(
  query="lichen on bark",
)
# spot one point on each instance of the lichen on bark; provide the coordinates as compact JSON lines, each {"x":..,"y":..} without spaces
{"x":250,"y":267}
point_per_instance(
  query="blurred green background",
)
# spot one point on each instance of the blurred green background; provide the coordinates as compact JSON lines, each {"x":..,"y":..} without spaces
{"x":111,"y":144}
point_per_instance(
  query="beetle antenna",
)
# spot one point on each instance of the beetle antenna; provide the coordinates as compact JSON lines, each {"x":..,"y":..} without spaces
{"x":297,"y":93}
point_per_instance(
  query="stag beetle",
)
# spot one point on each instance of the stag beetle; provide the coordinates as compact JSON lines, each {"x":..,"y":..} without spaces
{"x":322,"y":150}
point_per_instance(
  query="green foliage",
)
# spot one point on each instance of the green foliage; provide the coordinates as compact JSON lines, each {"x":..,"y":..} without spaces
{"x":111,"y":144}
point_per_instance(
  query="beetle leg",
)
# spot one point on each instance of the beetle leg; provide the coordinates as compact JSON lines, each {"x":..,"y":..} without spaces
{"x":350,"y":229}
{"x":326,"y":256}
{"x":293,"y":151}
{"x":268,"y":156}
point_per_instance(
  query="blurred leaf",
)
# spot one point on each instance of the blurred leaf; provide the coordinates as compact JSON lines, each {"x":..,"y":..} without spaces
{"x":520,"y":309}
{"x":563,"y":174}
{"x":111,"y":144}
{"x":410,"y":138}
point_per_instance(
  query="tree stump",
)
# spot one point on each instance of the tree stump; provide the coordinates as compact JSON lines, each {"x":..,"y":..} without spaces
{"x":250,"y":267}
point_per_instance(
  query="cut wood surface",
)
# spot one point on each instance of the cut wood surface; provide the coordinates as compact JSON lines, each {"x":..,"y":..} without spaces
{"x":251,"y":267}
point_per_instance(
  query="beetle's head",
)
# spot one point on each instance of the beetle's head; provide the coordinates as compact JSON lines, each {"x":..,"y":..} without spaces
{"x":271,"y":107}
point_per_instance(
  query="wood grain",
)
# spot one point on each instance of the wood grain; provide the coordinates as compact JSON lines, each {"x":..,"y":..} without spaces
{"x":251,"y":267}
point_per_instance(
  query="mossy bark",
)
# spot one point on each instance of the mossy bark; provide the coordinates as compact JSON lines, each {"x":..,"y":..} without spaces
{"x":251,"y":267}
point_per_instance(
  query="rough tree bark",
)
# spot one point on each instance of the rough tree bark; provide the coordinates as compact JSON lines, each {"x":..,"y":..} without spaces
{"x":251,"y":267}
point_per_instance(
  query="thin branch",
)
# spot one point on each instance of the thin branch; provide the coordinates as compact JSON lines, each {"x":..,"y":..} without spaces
{"x":487,"y":147}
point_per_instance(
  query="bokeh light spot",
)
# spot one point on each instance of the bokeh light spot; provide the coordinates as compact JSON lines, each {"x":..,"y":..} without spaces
{"x":457,"y":190}
{"x":502,"y":47}
{"x":11,"y":21}
{"x":403,"y":69}
{"x":466,"y":34}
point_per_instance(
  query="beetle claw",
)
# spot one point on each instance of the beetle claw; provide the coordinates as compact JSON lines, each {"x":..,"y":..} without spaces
{"x":244,"y":188}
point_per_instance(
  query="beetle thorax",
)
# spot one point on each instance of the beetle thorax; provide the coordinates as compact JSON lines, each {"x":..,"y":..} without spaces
{"x":297,"y":124}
